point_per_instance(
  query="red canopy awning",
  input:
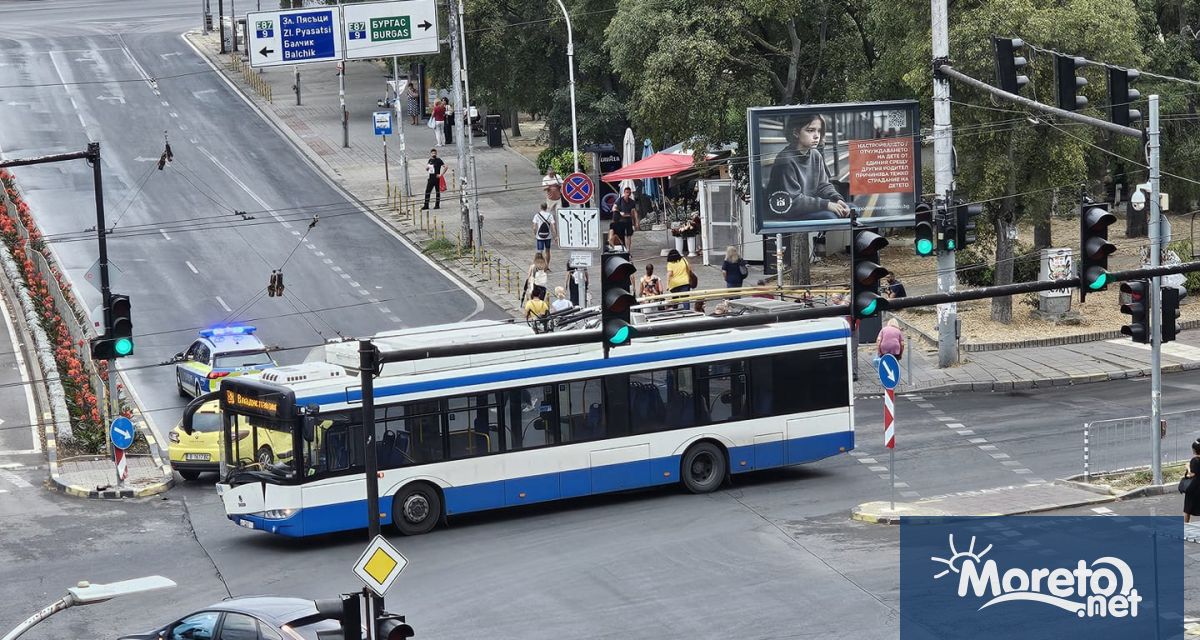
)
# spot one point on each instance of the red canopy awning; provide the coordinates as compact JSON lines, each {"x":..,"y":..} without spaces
{"x":659,"y":165}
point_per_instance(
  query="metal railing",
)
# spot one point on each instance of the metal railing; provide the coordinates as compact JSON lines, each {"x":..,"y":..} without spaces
{"x":1124,"y":444}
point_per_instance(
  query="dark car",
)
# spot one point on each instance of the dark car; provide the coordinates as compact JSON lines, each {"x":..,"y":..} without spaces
{"x":256,"y":618}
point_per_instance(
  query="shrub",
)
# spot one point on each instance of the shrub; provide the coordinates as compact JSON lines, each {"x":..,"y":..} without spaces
{"x":560,"y":159}
{"x":1183,"y":249}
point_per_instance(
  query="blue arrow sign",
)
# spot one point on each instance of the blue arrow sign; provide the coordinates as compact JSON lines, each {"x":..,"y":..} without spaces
{"x":121,"y":432}
{"x":889,"y":371}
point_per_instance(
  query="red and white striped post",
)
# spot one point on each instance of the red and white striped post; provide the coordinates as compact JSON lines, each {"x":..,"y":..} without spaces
{"x":889,"y":435}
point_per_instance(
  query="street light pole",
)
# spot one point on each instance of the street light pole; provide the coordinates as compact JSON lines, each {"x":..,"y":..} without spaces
{"x":1155,"y":306}
{"x":571,"y":76}
{"x":85,"y":593}
{"x":470,"y":172}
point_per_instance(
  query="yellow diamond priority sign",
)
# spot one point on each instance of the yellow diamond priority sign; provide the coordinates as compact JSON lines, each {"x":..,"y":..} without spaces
{"x":380,"y":565}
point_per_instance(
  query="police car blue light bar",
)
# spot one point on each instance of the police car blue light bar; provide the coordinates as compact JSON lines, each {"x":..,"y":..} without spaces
{"x":236,"y":330}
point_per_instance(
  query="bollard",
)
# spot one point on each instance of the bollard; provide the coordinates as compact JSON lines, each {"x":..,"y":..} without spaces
{"x":506,"y":177}
{"x":499,"y":283}
{"x":908,"y":365}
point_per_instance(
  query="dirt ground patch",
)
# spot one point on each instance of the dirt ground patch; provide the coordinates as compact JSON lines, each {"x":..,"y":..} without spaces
{"x":1101,"y":311}
{"x":527,"y":144}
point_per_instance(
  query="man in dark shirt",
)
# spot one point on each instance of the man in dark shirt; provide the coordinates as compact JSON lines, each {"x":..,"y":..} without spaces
{"x":895,"y":288}
{"x":627,"y":207}
{"x":435,"y":169}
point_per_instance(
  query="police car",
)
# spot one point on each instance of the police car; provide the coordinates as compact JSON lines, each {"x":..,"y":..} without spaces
{"x":217,"y":353}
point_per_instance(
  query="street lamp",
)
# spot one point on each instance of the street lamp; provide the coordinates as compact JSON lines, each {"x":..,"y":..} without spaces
{"x":571,"y":76}
{"x":85,"y":593}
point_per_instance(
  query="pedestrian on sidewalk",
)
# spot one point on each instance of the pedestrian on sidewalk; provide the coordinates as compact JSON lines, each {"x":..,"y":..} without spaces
{"x":435,"y":168}
{"x":614,"y":240}
{"x":561,"y":303}
{"x":895,"y":288}
{"x":448,"y":122}
{"x":414,"y":102}
{"x":539,"y":275}
{"x":679,"y":275}
{"x":544,"y":229}
{"x":536,"y":308}
{"x":552,"y":185}
{"x":439,"y":122}
{"x":1191,"y":494}
{"x":891,"y":339}
{"x":650,"y":284}
{"x":627,"y":208}
{"x":734,"y":268}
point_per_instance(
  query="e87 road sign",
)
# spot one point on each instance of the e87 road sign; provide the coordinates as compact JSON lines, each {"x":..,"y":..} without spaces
{"x":294,"y":36}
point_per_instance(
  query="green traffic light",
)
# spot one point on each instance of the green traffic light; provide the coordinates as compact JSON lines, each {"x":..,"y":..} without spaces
{"x":1099,"y":282}
{"x":950,"y":245}
{"x":621,"y":336}
{"x":924,"y":247}
{"x":869,"y":309}
{"x":123,"y":346}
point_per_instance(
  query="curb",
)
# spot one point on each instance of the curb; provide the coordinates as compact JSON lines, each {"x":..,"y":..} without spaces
{"x":865,"y":512}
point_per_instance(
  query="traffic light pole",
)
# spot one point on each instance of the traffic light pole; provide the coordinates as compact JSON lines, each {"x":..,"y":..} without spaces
{"x":943,"y":178}
{"x":1155,"y":310}
{"x":368,"y":363}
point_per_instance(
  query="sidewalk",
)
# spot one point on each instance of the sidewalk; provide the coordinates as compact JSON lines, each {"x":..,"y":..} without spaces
{"x":1027,"y":368}
{"x":509,"y":183}
{"x":1003,"y":501}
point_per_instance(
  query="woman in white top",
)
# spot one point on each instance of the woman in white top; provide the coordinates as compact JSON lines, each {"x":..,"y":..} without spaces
{"x":560,"y":303}
{"x":539,"y":274}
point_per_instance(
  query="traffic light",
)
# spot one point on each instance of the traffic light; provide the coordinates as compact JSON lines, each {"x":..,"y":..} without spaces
{"x":117,"y":341}
{"x":616,"y":270}
{"x":964,"y":215}
{"x":1094,"y":247}
{"x":347,"y":610}
{"x":275,"y":284}
{"x":1009,"y":64}
{"x":1139,"y":325}
{"x":947,"y":229}
{"x":392,"y":627}
{"x":924,"y":230}
{"x":1067,"y":84}
{"x":866,"y":272}
{"x":1170,"y":313}
{"x":1120,"y":96}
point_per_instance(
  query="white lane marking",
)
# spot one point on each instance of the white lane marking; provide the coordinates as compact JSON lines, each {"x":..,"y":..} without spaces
{"x":223,"y":305}
{"x":70,"y":90}
{"x":191,"y":266}
{"x":877,"y":469}
{"x":3,"y":490}
{"x":383,"y":309}
{"x":354,"y":285}
{"x":957,"y":425}
{"x":998,"y":456}
{"x":16,"y":480}
{"x":966,"y":432}
{"x":1023,"y":471}
{"x":18,"y":452}
{"x":138,"y":67}
{"x":232,"y":176}
{"x":868,"y":460}
{"x":11,"y":465}
{"x":364,"y":292}
{"x":164,"y":234}
{"x":165,"y":103}
{"x":988,"y":447}
{"x":174,"y":115}
{"x":346,"y":276}
{"x":394,"y":319}
{"x":318,"y":253}
{"x":336,"y":268}
{"x":20,"y":358}
{"x":977,"y":440}
{"x":327,"y":261}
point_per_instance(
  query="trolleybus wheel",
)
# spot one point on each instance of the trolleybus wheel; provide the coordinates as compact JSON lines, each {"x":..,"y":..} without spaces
{"x":702,"y":468}
{"x":416,"y":509}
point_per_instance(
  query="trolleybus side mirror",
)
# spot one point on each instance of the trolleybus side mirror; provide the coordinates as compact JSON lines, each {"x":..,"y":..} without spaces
{"x":310,"y":428}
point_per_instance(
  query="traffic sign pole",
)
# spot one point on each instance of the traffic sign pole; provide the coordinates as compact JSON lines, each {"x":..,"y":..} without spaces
{"x":889,"y":435}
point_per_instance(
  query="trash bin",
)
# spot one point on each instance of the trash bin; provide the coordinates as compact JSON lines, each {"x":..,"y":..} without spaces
{"x":493,"y":131}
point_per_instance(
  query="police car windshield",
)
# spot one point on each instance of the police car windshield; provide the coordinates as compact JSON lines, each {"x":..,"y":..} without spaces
{"x":241,"y":359}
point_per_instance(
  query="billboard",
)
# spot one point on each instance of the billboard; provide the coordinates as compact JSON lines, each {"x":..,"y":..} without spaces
{"x":809,"y":164}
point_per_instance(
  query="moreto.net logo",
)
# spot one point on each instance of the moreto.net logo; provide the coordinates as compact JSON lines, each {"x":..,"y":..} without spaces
{"x":1102,"y":587}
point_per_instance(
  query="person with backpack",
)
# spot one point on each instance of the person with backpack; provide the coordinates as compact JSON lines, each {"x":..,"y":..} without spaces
{"x":734,"y":268}
{"x":544,"y":229}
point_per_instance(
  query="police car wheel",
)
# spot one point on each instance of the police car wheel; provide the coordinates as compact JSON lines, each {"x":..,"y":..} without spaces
{"x":179,"y":385}
{"x":198,"y":392}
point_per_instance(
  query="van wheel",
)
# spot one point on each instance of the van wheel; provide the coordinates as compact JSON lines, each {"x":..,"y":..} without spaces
{"x":416,"y":509}
{"x":702,"y":468}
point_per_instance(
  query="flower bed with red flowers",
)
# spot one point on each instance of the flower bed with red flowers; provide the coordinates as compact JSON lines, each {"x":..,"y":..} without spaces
{"x":87,"y":420}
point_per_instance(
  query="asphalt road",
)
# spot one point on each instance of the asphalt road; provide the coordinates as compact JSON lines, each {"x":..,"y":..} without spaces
{"x":76,"y":71}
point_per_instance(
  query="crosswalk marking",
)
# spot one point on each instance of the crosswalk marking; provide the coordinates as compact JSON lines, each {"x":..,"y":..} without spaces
{"x":14,"y":479}
{"x":1177,"y":349}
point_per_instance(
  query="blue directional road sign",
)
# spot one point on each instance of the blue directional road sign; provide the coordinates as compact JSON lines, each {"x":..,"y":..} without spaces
{"x":121,"y":432}
{"x":889,"y":371}
{"x":294,"y":36}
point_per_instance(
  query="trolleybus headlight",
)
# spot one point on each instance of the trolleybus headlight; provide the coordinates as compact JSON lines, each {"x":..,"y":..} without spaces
{"x":278,"y":514}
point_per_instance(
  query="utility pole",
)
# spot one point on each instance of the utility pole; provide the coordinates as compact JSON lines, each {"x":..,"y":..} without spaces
{"x":473,"y":184}
{"x":221,"y":22}
{"x":456,"y":78}
{"x":233,"y":24}
{"x":943,"y":178}
{"x":1155,"y":307}
{"x":341,"y":67}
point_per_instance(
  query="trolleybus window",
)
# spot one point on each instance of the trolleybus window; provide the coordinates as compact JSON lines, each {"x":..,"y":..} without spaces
{"x":660,"y":400}
{"x":721,"y":390}
{"x":799,"y":381}
{"x":530,"y":417}
{"x":473,"y":423}
{"x":580,"y":410}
